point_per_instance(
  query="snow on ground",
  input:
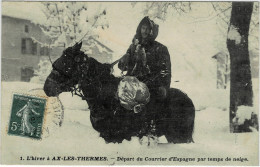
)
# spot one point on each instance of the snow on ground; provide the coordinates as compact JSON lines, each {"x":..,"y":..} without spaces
{"x":76,"y":137}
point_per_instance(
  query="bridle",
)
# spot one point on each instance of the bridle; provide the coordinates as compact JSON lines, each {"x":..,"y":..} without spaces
{"x":75,"y":89}
{"x":82,"y":69}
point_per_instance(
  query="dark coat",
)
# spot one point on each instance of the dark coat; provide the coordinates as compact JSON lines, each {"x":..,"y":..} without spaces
{"x":155,"y":66}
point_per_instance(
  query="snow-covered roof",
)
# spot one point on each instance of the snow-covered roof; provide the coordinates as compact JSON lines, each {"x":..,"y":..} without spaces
{"x":221,"y":53}
{"x":101,"y":47}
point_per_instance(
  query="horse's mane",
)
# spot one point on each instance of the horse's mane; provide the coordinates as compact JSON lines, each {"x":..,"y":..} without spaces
{"x":102,"y":86}
{"x":97,"y":68}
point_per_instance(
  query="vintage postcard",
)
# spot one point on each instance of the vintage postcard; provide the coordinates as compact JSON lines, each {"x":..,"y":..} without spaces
{"x":130,"y":83}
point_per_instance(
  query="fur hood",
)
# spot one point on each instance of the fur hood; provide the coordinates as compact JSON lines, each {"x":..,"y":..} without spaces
{"x":154,"y":29}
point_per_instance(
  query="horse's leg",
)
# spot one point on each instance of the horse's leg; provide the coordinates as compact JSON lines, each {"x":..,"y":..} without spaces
{"x":109,"y":118}
{"x":178,"y":121}
{"x":180,"y":128}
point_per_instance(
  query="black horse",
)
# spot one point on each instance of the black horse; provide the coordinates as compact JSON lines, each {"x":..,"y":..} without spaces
{"x":75,"y":71}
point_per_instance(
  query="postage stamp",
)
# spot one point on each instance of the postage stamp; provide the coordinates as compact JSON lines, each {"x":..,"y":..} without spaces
{"x":27,"y":115}
{"x":53,"y":115}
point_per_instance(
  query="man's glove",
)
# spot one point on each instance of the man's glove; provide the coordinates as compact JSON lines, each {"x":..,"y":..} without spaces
{"x":140,"y":55}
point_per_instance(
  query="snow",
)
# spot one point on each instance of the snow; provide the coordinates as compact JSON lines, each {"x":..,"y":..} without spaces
{"x":77,"y":137}
{"x":233,"y":34}
{"x":44,"y":69}
{"x":40,"y":43}
{"x":92,"y":43}
{"x":102,"y":49}
{"x":243,"y":113}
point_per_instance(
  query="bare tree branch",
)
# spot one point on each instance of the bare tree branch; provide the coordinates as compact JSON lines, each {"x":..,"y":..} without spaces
{"x":217,"y":14}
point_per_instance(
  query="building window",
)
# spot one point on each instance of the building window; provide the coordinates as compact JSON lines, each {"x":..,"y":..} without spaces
{"x":44,"y":51}
{"x":26,"y":74}
{"x":28,"y":46}
{"x":24,"y":46}
{"x":26,"y":28}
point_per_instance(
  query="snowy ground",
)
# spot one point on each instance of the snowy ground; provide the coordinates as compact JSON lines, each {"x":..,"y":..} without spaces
{"x":76,"y":137}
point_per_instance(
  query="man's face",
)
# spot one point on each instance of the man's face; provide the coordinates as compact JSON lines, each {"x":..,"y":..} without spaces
{"x":145,"y":31}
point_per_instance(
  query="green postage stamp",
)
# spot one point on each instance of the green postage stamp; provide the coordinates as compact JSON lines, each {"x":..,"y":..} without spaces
{"x":27,"y":116}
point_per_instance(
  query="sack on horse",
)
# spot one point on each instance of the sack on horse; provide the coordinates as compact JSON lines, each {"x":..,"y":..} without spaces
{"x":133,"y":94}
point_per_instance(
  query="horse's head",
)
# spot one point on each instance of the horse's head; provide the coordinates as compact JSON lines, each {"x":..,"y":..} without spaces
{"x":65,"y":74}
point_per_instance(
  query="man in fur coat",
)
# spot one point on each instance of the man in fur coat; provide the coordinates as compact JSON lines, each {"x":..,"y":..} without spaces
{"x":148,"y":60}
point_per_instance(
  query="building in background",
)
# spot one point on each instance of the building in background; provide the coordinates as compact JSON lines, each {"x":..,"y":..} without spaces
{"x":223,"y":69}
{"x":21,"y":48}
{"x":24,"y":45}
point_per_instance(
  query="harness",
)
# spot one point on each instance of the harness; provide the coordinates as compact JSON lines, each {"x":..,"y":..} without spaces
{"x":82,"y":71}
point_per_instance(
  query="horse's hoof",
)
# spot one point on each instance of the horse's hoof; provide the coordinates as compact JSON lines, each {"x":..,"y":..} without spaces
{"x":150,"y":141}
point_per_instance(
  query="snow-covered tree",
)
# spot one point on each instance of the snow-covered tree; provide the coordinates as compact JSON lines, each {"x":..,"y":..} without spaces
{"x":69,"y":22}
{"x":160,"y":10}
{"x":242,"y":22}
{"x":241,"y":92}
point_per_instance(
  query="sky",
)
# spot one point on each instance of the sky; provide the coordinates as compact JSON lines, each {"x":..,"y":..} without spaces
{"x":25,"y":10}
